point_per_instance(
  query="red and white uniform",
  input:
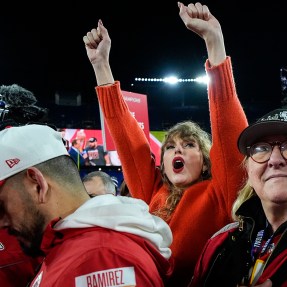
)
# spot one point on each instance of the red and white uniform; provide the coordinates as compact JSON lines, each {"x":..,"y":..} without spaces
{"x":109,"y":241}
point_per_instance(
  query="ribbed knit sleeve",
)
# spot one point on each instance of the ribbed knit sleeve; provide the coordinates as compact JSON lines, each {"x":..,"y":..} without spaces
{"x":112,"y":105}
{"x":227,"y":122}
{"x":139,"y":169}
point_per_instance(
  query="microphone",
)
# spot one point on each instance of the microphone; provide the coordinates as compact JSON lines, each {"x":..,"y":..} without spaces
{"x":16,"y":96}
{"x":19,"y":105}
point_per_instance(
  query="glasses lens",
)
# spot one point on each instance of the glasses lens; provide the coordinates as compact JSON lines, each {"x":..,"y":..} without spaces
{"x":284,"y":149}
{"x":260,"y":152}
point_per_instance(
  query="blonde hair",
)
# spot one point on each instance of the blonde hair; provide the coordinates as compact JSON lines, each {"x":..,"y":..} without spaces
{"x":183,"y":130}
{"x":244,"y":194}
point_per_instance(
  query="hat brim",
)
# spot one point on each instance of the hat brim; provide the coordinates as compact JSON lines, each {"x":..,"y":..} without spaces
{"x":259,"y":130}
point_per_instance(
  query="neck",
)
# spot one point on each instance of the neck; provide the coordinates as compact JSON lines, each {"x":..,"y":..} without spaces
{"x":276,"y":216}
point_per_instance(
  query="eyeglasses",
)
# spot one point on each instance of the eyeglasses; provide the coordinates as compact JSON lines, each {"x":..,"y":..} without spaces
{"x":261,"y":152}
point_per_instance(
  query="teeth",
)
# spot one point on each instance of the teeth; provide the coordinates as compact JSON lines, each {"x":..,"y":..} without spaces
{"x":178,"y":164}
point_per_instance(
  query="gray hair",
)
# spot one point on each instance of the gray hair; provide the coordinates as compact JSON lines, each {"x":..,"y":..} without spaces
{"x":108,"y":183}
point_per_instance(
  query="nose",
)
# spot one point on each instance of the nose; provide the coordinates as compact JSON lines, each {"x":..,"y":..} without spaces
{"x":178,"y":149}
{"x":276,"y":158}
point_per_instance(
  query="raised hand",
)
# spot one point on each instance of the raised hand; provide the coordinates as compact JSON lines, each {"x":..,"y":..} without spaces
{"x":98,"y":44}
{"x":198,"y":19}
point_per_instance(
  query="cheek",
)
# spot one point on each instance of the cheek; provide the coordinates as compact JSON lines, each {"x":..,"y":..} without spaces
{"x":195,"y":167}
{"x":195,"y":159}
{"x":255,"y":172}
{"x":167,"y":163}
{"x":166,"y":158}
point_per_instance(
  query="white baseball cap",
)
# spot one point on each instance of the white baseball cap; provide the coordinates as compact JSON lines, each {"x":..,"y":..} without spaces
{"x":25,"y":146}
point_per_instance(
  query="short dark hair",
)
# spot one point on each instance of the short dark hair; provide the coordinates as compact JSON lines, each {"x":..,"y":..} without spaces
{"x":74,"y":142}
{"x":62,"y":169}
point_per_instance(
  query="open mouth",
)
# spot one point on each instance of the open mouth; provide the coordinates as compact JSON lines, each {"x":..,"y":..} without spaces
{"x":178,"y":164}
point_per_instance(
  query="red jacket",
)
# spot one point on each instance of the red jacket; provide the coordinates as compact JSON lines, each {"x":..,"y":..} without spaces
{"x":82,"y":252}
{"x":16,"y":269}
{"x":226,"y":258}
{"x":205,"y":206}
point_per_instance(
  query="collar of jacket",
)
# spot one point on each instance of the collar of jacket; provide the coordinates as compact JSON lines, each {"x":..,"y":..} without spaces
{"x":252,"y":208}
{"x":254,"y":219}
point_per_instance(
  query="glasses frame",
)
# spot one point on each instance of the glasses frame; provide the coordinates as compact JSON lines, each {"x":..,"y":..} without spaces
{"x":272,"y":145}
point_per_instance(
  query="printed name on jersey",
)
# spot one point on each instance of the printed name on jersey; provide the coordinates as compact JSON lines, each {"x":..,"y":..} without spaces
{"x":108,"y":278}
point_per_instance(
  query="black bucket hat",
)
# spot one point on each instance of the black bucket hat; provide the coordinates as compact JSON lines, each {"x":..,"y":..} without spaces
{"x":273,"y":123}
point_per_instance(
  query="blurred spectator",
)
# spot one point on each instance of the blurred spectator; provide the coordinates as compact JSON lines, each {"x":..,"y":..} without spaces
{"x":96,"y":155}
{"x":76,"y":154}
{"x":63,"y":133}
{"x":98,"y":183}
{"x":81,"y":135}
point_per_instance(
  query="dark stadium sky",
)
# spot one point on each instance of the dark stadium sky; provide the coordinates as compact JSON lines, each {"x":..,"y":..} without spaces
{"x":42,"y":50}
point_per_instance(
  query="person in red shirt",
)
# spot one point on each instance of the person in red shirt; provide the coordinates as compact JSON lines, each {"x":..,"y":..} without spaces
{"x":195,"y":186}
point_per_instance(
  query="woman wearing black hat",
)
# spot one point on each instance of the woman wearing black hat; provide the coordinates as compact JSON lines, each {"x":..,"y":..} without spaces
{"x":254,"y":247}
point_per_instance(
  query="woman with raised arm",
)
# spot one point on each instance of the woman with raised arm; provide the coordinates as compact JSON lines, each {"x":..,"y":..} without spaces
{"x":194,"y":188}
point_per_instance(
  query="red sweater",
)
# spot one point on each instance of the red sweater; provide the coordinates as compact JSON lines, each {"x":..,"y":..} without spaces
{"x":205,"y":207}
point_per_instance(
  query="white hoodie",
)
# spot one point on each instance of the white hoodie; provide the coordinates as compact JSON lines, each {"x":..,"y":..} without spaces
{"x":120,"y":213}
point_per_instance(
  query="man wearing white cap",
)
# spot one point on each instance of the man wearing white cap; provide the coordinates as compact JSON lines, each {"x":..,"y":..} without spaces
{"x":86,"y":241}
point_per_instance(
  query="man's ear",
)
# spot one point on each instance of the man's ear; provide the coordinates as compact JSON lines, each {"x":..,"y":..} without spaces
{"x":41,"y":185}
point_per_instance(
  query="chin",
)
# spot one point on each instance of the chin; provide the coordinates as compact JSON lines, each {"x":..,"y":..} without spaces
{"x":181,"y":184}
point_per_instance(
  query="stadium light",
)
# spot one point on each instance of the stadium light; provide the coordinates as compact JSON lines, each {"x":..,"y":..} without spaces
{"x":172,"y":80}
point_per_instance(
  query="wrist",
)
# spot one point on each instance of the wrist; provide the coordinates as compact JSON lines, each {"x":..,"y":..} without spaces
{"x":106,"y":84}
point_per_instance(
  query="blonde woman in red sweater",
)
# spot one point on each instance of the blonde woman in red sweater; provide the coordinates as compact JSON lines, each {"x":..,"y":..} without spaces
{"x":194,"y":188}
